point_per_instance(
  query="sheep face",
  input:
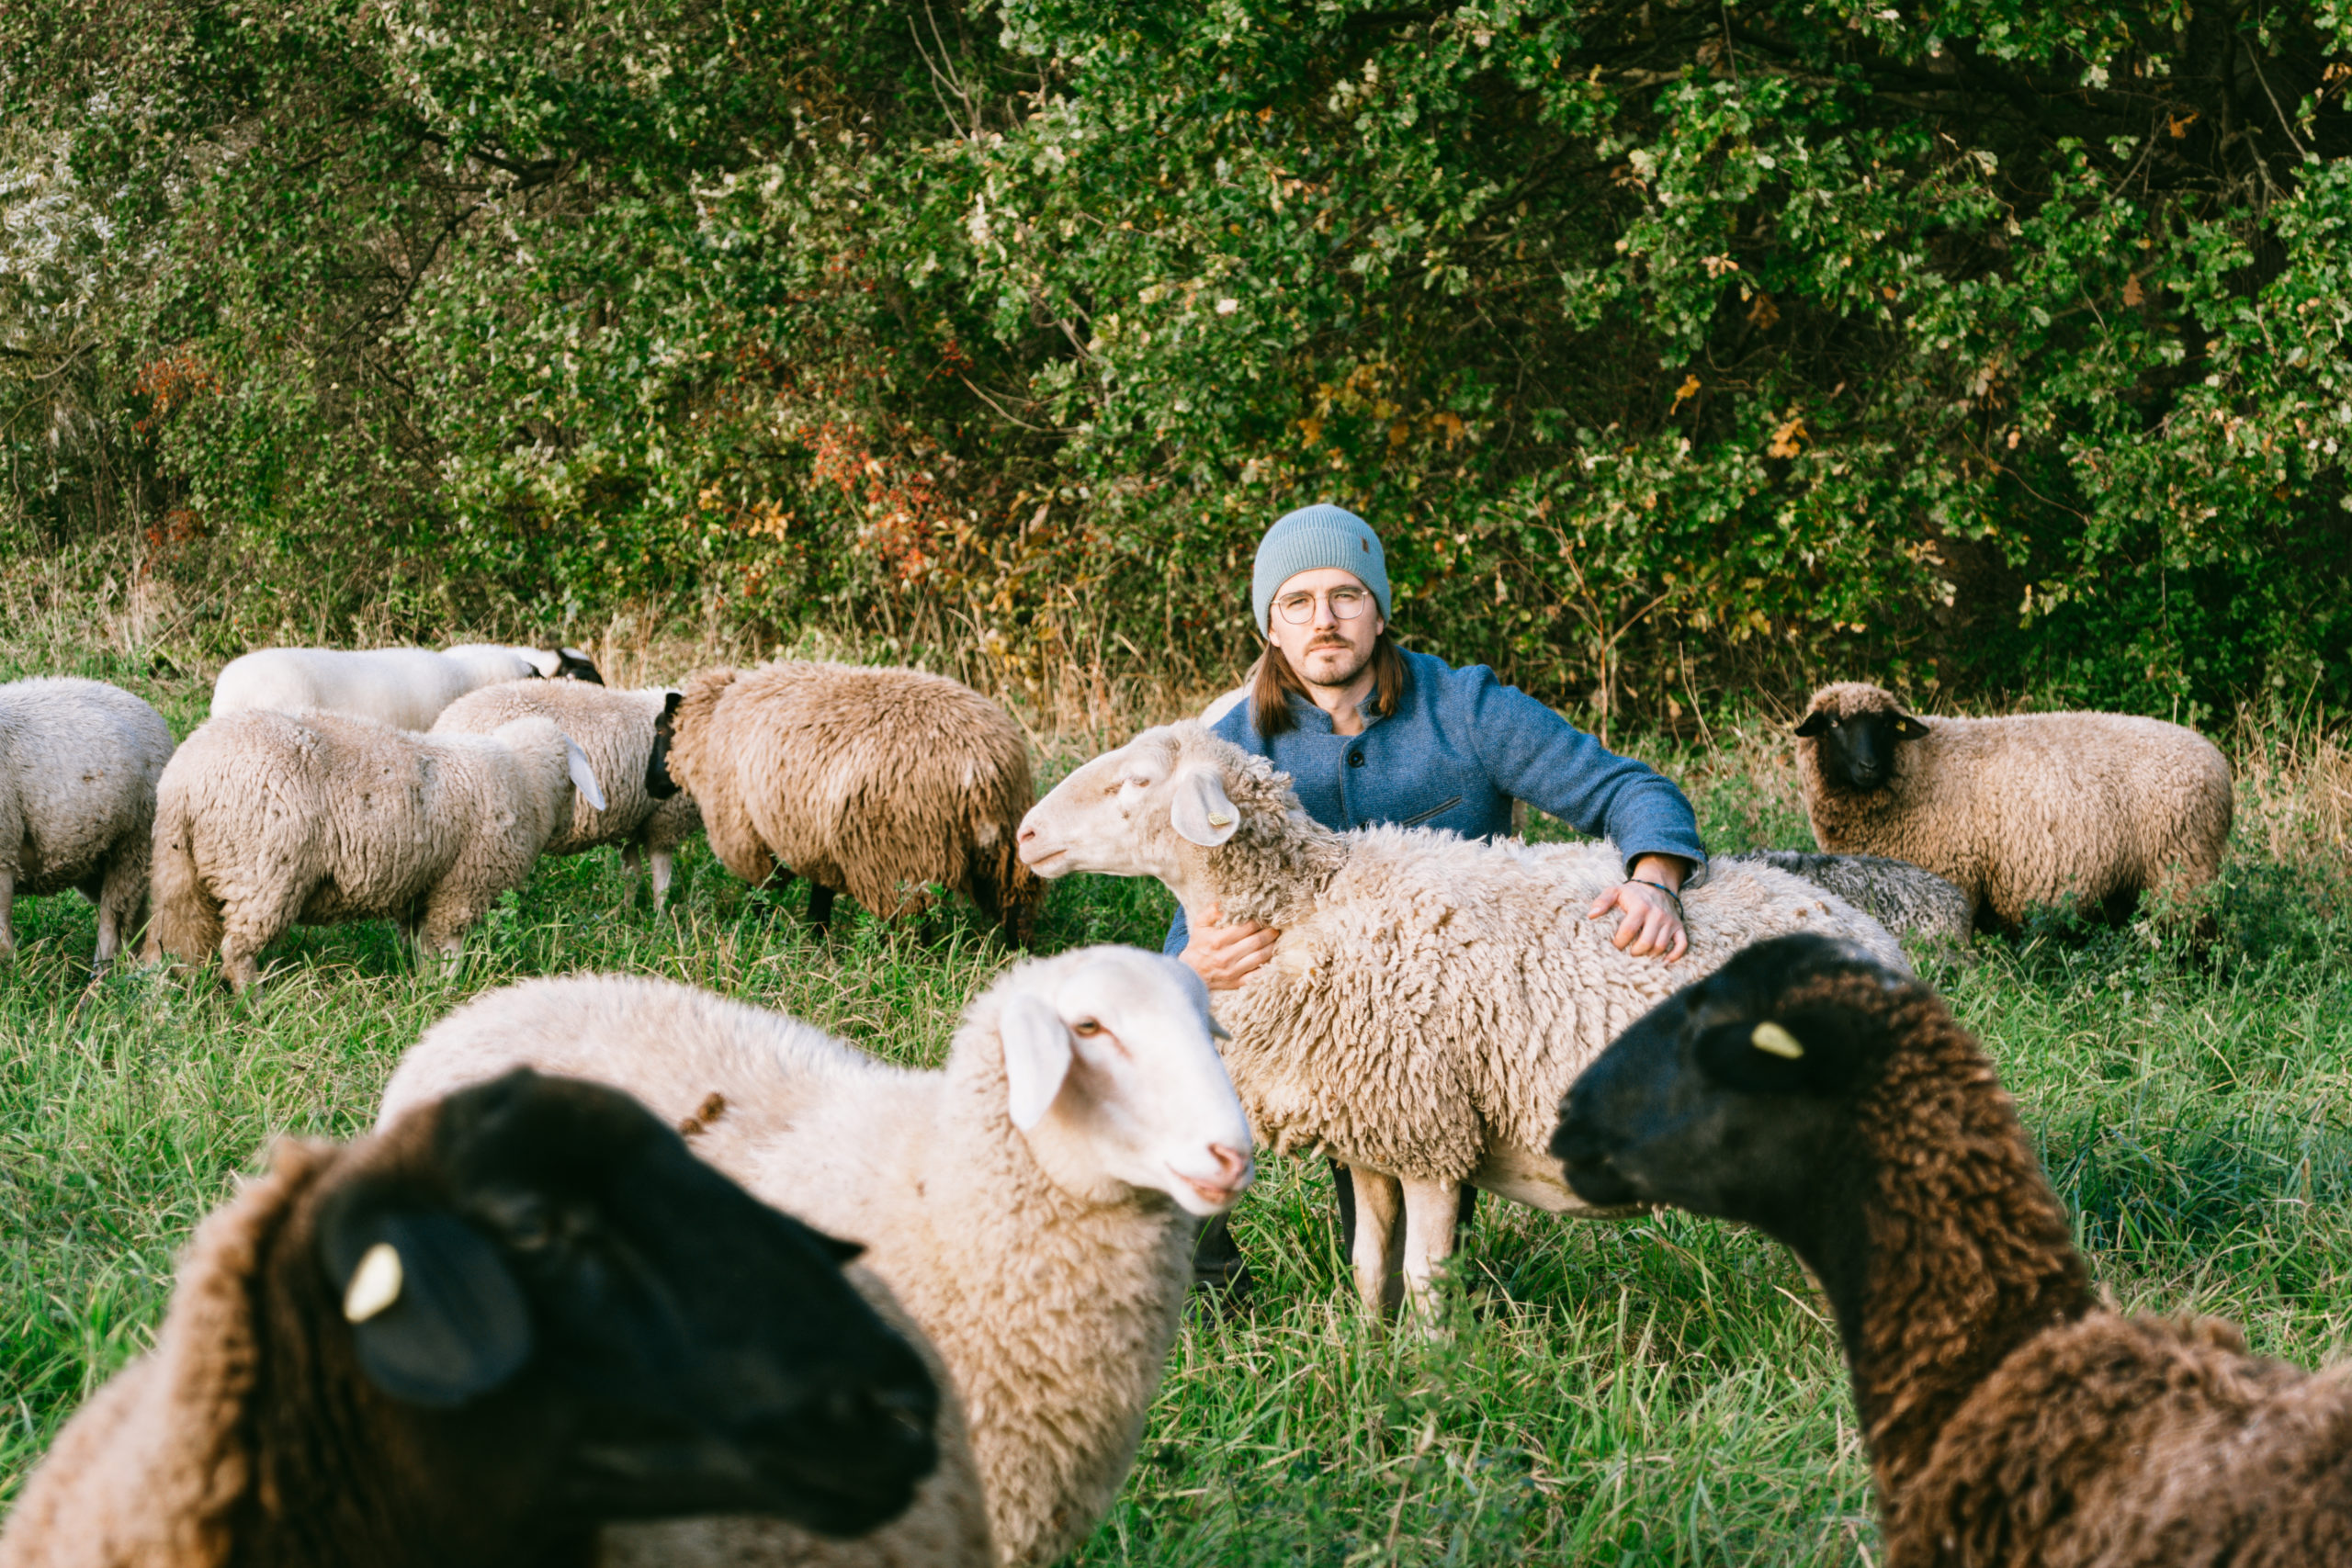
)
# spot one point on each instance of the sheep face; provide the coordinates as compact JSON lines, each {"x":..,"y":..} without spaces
{"x":1113,"y":814}
{"x":1857,"y":747}
{"x":658,"y":783}
{"x":559,"y":1283}
{"x":1111,"y":1070}
{"x":1732,"y":1098}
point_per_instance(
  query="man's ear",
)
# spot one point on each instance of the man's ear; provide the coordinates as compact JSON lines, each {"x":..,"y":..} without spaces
{"x":1813,"y":723}
{"x":1909,"y":729}
{"x":1036,"y":1057}
{"x":1201,"y":810}
{"x":436,"y":1314}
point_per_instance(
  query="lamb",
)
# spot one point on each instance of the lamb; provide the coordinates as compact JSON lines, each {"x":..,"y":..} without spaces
{"x":872,"y":782}
{"x":404,"y":687}
{"x":78,"y":765}
{"x":472,"y":1339}
{"x":1836,"y":1106}
{"x":2026,"y":810}
{"x":1029,"y":1203}
{"x":625,"y":735}
{"x":264,"y":819}
{"x":1431,"y":996}
{"x":1901,"y":897}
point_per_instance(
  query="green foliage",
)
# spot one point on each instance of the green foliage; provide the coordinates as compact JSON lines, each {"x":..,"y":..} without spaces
{"x":1675,"y":349}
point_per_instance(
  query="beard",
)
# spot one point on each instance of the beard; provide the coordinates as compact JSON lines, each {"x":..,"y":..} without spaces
{"x":1332,"y":663}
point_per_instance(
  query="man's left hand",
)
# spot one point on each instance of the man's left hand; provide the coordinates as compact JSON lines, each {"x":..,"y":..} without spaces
{"x":1648,"y":925}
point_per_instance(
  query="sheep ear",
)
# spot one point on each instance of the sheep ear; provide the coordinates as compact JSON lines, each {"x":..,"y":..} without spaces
{"x":1036,"y":1057}
{"x":1202,"y":811}
{"x":1813,"y":723}
{"x":582,"y":779}
{"x":1909,"y":729}
{"x":660,"y":783}
{"x":437,"y":1318}
{"x":575,"y":663}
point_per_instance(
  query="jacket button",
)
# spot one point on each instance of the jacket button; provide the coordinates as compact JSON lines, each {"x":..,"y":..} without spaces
{"x":1355,"y":759}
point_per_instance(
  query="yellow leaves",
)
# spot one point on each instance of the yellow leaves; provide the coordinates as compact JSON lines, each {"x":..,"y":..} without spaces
{"x":1682,"y":394}
{"x":2132,"y":294}
{"x":1399,"y":432}
{"x":1718,"y":265}
{"x":1448,"y":423}
{"x":1312,"y":429}
{"x":1788,"y":440}
{"x":1763,"y":315}
{"x":2178,"y":124}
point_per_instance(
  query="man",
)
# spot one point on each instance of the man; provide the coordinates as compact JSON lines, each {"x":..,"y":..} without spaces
{"x":1369,"y":733}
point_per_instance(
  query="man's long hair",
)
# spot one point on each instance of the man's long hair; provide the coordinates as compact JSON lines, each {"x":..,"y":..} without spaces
{"x":1273,"y":682}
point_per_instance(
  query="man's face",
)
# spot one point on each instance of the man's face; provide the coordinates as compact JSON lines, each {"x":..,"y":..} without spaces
{"x":1323,"y":648}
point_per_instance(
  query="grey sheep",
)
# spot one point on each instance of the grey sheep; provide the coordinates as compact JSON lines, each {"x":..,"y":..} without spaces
{"x":1905,"y":898}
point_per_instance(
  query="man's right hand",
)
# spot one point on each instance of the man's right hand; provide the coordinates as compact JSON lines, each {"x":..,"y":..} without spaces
{"x":1223,"y":955}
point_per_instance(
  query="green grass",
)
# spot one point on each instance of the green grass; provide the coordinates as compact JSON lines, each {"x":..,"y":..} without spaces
{"x":1663,"y":1391}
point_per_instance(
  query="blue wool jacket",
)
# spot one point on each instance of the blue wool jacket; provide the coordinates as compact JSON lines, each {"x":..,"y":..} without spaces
{"x":1460,"y":748}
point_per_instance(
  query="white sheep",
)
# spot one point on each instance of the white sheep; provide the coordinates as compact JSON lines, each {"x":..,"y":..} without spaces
{"x":1431,"y":997}
{"x":404,"y":687}
{"x":267,"y":819}
{"x":1028,"y":1205}
{"x":78,"y":764}
{"x":626,"y":737}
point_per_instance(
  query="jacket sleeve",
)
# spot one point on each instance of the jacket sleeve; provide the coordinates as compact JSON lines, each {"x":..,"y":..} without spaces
{"x":1534,"y":755}
{"x":1179,"y":936}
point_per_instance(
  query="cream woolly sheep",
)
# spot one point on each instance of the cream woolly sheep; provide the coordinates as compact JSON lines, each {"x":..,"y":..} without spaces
{"x":2018,"y":811}
{"x":870,"y":782}
{"x":265,"y":820}
{"x":1028,"y":1203}
{"x":1901,"y":897}
{"x":465,"y":1342}
{"x":404,"y":687}
{"x":1431,"y":996}
{"x":625,"y":737}
{"x":78,"y":765}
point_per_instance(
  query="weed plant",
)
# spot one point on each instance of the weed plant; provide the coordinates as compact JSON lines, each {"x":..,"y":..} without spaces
{"x":1662,"y":1391}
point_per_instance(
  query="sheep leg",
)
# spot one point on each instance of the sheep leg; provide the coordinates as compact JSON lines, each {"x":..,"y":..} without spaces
{"x":247,"y":928}
{"x":120,"y":898}
{"x":7,"y":917}
{"x":1380,"y":1227}
{"x":820,"y":904}
{"x":1431,"y":1210}
{"x":663,"y":862}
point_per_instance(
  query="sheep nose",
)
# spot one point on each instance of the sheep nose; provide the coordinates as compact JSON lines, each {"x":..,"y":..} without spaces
{"x":1233,"y":1167}
{"x":1028,"y":831}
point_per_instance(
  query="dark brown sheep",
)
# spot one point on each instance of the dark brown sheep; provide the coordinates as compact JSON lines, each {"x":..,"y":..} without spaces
{"x":1836,"y":1106}
{"x":520,"y":1311}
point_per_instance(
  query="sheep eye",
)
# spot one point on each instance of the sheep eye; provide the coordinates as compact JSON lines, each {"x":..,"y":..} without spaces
{"x":1086,"y":1028}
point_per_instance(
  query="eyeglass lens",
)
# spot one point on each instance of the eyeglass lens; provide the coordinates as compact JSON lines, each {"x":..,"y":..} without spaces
{"x":1347,"y":604}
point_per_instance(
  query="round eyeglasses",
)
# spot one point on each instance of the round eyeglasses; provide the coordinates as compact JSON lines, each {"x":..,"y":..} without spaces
{"x":1346,"y":603}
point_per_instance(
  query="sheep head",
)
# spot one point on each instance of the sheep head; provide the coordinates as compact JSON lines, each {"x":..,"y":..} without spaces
{"x":565,"y":1300}
{"x":1854,"y":728}
{"x":1112,"y":1073}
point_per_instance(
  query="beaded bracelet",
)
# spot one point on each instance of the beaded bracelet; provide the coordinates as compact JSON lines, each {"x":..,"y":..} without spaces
{"x":1663,"y":888}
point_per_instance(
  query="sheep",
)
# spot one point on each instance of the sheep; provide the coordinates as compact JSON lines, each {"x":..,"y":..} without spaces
{"x":264,"y":819}
{"x":78,"y":764}
{"x":1431,"y":996}
{"x":472,"y":1339}
{"x":1901,"y":897}
{"x":1029,"y":1203}
{"x":404,"y":687}
{"x":2016,"y":812}
{"x":1836,"y":1106}
{"x":872,"y":782}
{"x":625,"y":735}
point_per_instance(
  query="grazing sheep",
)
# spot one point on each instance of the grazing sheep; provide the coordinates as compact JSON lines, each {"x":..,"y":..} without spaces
{"x":78,"y":765}
{"x":1028,"y":1205}
{"x":472,"y":1338}
{"x":874,"y":782}
{"x":404,"y":687}
{"x":1899,"y":896}
{"x":625,"y":735}
{"x":267,"y":819}
{"x":2019,"y":811}
{"x":1835,"y":1105}
{"x":1432,"y":996}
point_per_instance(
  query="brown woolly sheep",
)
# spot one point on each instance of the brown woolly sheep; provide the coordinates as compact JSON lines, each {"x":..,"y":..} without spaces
{"x":2015,"y":812}
{"x":871,"y":782}
{"x":521,"y":1312}
{"x":1835,"y":1105}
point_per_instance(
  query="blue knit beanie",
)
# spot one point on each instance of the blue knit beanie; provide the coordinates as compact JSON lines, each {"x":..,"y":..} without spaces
{"x":1317,"y":537}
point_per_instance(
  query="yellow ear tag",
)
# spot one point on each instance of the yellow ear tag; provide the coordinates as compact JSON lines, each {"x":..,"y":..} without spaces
{"x":375,"y":1284}
{"x":1771,"y":1038}
{"x":1220,"y":821}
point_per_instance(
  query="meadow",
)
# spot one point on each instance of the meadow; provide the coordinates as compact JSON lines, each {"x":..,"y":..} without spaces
{"x":1654,"y":1393}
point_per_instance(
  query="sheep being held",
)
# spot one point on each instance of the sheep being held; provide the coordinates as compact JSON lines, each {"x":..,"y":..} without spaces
{"x":1836,"y":1106}
{"x":267,"y":819}
{"x":78,"y":765}
{"x":1031,"y":1206}
{"x":404,"y":687}
{"x":625,"y":737}
{"x":2026,"y":810}
{"x":1431,"y":996}
{"x":467,"y":1341}
{"x":874,"y":782}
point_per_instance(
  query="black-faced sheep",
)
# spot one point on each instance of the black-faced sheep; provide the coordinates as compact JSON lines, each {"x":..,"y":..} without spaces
{"x":78,"y":765}
{"x":876,"y":782}
{"x":1431,"y":996}
{"x":404,"y":687}
{"x":2030,"y":810}
{"x":471,"y":1339}
{"x":1835,"y":1105}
